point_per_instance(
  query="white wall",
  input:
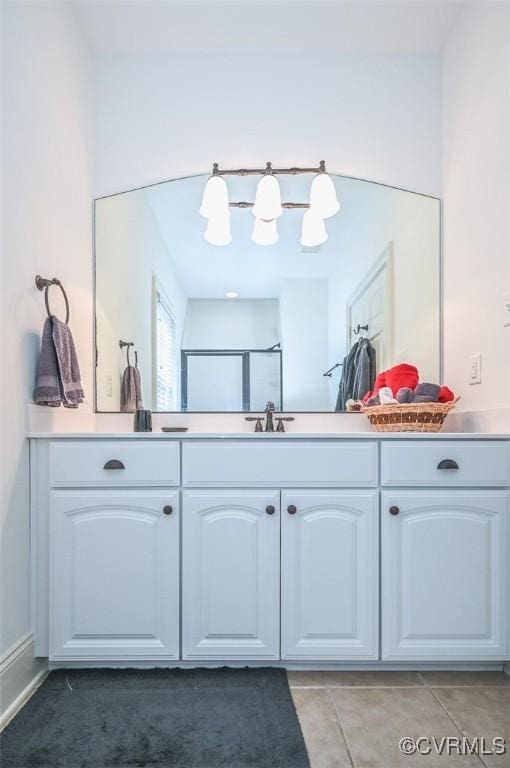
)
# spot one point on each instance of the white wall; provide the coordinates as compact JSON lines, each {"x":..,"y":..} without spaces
{"x":476,"y":161}
{"x":130,"y":252}
{"x":46,"y":215}
{"x":304,"y":324}
{"x":231,"y":324}
{"x":376,"y":116}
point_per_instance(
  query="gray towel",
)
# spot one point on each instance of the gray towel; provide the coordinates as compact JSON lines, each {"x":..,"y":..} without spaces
{"x":131,"y":390}
{"x":358,"y":373}
{"x":58,"y":373}
{"x":405,"y":395}
{"x":426,"y":393}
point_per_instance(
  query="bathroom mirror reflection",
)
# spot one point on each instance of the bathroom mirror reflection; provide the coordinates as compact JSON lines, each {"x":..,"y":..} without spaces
{"x":230,"y":327}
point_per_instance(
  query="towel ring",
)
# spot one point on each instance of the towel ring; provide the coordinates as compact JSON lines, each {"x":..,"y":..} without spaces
{"x":128,"y":344}
{"x":43,"y":284}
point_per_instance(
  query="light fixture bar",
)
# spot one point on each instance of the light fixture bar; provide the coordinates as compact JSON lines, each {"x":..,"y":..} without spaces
{"x":288,"y":206}
{"x":267,"y":170}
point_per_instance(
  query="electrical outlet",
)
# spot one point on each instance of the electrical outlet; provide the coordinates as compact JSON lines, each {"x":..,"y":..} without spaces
{"x":475,"y":370}
{"x":109,"y":386}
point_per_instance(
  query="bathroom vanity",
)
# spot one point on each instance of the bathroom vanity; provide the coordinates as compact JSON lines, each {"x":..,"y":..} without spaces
{"x":289,"y":549}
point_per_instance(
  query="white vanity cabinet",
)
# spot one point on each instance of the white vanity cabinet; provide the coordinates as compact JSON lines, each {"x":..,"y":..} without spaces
{"x":330,"y":574}
{"x":292,"y":550}
{"x":112,"y":548}
{"x":114,"y":575}
{"x":444,"y":574}
{"x":231,"y":574}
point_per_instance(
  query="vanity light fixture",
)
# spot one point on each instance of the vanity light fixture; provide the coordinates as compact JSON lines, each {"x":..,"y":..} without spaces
{"x":313,"y":231}
{"x":215,"y":198}
{"x":265,"y":232}
{"x":215,"y":209}
{"x":217,"y":231}
{"x":323,"y":200}
{"x":268,"y":205}
{"x":268,"y":201}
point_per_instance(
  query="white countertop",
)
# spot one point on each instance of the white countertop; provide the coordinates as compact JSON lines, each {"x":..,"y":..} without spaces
{"x":267,"y":436}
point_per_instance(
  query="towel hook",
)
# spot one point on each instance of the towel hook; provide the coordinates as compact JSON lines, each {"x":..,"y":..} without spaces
{"x":43,"y":284}
{"x":359,"y":328}
{"x":329,"y":372}
{"x":127,"y":344}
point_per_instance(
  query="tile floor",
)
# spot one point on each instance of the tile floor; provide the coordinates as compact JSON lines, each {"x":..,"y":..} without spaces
{"x":356,"y":719}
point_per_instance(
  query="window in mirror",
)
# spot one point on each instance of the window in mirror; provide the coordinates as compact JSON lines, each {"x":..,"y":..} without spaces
{"x":165,"y":355}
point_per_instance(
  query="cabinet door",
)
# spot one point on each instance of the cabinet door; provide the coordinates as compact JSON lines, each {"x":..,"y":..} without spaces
{"x":231,"y":548}
{"x":330,"y":587}
{"x":114,"y":574}
{"x":444,"y":575}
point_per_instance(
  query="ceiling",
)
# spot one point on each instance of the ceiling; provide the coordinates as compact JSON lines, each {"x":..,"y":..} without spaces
{"x":144,"y":26}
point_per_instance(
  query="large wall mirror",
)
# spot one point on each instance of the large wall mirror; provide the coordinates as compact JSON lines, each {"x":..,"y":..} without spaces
{"x":230,"y":327}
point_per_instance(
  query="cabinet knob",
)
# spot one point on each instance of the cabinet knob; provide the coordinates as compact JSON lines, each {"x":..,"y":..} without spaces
{"x":270,"y":509}
{"x":447,"y":464}
{"x":291,"y":509}
{"x":114,"y":464}
{"x":167,"y":509}
{"x":394,"y":510}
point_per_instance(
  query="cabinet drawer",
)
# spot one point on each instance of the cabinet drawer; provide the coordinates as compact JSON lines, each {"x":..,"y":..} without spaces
{"x":445,"y":463}
{"x":276,"y":463}
{"x":84,"y":463}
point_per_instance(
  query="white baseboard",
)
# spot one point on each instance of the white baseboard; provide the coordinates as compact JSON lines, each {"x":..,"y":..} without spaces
{"x":20,"y":675}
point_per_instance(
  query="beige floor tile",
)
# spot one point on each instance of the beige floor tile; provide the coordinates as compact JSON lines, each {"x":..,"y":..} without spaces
{"x":375,"y":678}
{"x":323,"y":738}
{"x":375,"y":719}
{"x":478,"y":710}
{"x":481,"y":712}
{"x":465,"y":678}
{"x":305,"y":677}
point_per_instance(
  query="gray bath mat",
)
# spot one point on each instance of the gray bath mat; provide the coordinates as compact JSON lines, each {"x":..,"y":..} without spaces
{"x":158,"y":718}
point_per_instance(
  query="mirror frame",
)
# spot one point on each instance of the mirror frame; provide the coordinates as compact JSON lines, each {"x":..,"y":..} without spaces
{"x":197,"y":175}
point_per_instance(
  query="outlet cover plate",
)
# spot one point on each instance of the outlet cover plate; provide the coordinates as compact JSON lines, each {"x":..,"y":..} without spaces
{"x":475,"y":369}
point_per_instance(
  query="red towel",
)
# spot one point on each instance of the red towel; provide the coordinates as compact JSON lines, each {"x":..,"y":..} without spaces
{"x":445,"y":395}
{"x":380,"y":381}
{"x":403,"y":375}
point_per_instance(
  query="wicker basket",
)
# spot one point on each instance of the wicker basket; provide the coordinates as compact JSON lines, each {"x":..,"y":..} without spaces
{"x":408,"y":417}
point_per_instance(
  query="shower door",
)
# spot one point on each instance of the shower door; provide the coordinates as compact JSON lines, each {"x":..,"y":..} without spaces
{"x":231,"y":380}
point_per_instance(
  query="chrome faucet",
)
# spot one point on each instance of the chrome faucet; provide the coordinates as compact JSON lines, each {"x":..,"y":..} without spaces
{"x":269,"y":409}
{"x":269,"y":425}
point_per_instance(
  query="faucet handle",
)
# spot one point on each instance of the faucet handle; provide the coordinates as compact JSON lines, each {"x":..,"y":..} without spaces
{"x":258,"y":419}
{"x":280,"y":427}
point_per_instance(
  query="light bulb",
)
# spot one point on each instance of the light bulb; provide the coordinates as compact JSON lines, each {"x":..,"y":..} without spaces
{"x":313,"y":232}
{"x":265,"y":232}
{"x":323,"y":199}
{"x":218,"y":230}
{"x":215,"y":198}
{"x":268,"y":203}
